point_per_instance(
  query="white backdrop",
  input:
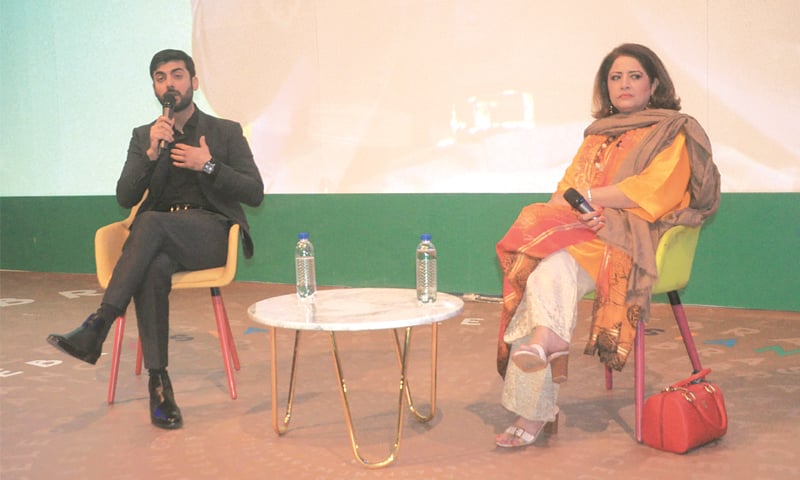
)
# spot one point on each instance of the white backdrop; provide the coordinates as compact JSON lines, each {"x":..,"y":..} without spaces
{"x":486,"y":96}
{"x":345,"y":96}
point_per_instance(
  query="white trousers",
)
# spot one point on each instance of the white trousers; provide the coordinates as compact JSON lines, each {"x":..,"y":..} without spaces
{"x":551,"y":300}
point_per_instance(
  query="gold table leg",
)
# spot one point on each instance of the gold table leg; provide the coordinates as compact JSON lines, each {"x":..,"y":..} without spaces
{"x":346,"y":404}
{"x":281,"y":427}
{"x":434,"y":343}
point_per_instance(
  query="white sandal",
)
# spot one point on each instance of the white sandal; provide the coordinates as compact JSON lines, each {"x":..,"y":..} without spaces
{"x":525,"y":437}
{"x":532,"y":358}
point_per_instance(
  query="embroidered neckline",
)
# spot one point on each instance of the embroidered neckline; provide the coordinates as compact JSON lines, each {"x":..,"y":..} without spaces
{"x":601,"y":157}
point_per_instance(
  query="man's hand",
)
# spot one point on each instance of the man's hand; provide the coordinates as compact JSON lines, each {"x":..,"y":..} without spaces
{"x":192,"y":158}
{"x":161,"y":130}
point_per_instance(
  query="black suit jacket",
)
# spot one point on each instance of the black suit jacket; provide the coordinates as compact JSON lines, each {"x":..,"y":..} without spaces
{"x":236,"y":181}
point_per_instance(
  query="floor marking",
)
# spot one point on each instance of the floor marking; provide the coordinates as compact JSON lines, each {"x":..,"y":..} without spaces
{"x":11,"y":302}
{"x":741,"y":331}
{"x":255,"y":330}
{"x":728,"y":342}
{"x":779,"y":350}
{"x":471,"y":321}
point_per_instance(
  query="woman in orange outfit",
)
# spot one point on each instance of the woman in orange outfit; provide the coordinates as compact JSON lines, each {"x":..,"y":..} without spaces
{"x":643,"y":167}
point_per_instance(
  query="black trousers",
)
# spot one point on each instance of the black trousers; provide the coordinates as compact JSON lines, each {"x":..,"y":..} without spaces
{"x":160,"y":244}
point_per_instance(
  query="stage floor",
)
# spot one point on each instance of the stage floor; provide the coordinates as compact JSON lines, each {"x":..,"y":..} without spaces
{"x":55,"y":422}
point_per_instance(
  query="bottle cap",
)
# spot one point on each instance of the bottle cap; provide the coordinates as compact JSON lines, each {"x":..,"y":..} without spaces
{"x":302,"y":235}
{"x":425,"y":236}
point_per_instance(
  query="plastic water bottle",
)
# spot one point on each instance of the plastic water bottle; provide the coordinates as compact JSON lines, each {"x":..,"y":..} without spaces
{"x":304,"y":268}
{"x":426,"y":269}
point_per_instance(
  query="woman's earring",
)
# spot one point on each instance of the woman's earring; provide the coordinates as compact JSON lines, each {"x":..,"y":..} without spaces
{"x":611,"y":109}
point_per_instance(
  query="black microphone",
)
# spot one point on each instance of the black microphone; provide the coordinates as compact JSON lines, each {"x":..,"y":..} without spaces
{"x":574,"y":198}
{"x":168,"y":103}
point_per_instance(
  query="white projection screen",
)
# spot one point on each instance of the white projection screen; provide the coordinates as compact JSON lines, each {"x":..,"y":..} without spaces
{"x":408,"y":96}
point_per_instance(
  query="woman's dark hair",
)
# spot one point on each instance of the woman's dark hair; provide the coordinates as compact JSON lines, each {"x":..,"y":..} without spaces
{"x":169,"y":55}
{"x":663,"y":97}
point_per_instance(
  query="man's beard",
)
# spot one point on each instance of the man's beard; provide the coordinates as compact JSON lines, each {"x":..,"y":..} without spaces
{"x":186,"y":99}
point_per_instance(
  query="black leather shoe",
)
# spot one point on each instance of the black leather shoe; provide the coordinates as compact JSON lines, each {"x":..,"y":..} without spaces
{"x":164,"y":412}
{"x":85,"y":342}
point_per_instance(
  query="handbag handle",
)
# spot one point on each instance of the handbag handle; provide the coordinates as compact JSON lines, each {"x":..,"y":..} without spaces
{"x":723,"y":414}
{"x":710,"y":389}
{"x":697,"y":376}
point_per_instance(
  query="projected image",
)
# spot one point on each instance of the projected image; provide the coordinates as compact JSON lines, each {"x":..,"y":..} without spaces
{"x":350,"y":96}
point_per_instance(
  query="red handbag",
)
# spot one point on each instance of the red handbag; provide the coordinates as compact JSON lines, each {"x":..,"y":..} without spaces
{"x":685,"y":415}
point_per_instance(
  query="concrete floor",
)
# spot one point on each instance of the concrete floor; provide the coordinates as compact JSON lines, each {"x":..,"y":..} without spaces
{"x":55,"y":422}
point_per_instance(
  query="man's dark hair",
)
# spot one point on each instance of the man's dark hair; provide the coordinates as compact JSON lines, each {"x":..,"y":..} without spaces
{"x":170,"y":55}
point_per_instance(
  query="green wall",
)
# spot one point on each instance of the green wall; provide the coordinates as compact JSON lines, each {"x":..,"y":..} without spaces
{"x":747,"y":256}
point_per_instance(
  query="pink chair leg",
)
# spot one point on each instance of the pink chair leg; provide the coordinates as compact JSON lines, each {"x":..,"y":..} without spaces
{"x":234,"y":353}
{"x":115,"y":356}
{"x":691,"y":349}
{"x":231,"y":343}
{"x":225,"y":339}
{"x":686,"y":333}
{"x":638,"y":379}
{"x":230,"y":356}
{"x":139,"y":357}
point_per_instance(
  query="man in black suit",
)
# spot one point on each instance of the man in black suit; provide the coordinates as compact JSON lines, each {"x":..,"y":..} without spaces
{"x":198,"y":170}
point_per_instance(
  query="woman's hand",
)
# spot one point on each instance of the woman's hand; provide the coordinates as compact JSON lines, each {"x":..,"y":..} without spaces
{"x":594,"y":221}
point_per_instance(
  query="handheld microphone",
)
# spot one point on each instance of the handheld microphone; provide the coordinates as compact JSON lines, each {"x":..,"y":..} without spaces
{"x":576,"y":200}
{"x":168,"y":103}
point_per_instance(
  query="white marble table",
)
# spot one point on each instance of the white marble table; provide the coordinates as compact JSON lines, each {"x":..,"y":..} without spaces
{"x":348,"y":310}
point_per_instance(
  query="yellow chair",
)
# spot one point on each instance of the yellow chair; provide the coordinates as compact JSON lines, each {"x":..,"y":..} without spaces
{"x":108,"y":242}
{"x":674,"y":257}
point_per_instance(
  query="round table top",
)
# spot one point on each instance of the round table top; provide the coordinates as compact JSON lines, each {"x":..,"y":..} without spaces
{"x":354,"y":309}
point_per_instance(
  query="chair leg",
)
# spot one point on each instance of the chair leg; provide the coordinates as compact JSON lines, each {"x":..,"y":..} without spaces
{"x":139,"y":357}
{"x":688,"y":341}
{"x":229,"y":354}
{"x":115,"y":356}
{"x":638,"y":379}
{"x":691,"y":349}
{"x":686,"y":333}
{"x":225,"y":339}
{"x":234,"y":353}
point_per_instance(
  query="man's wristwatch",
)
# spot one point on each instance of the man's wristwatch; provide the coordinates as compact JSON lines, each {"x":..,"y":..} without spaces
{"x":209,"y":167}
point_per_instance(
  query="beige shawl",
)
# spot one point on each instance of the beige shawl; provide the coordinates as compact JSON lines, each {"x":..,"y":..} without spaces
{"x":635,"y":236}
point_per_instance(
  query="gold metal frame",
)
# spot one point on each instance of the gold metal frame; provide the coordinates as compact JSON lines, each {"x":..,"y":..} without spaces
{"x":282,"y":426}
